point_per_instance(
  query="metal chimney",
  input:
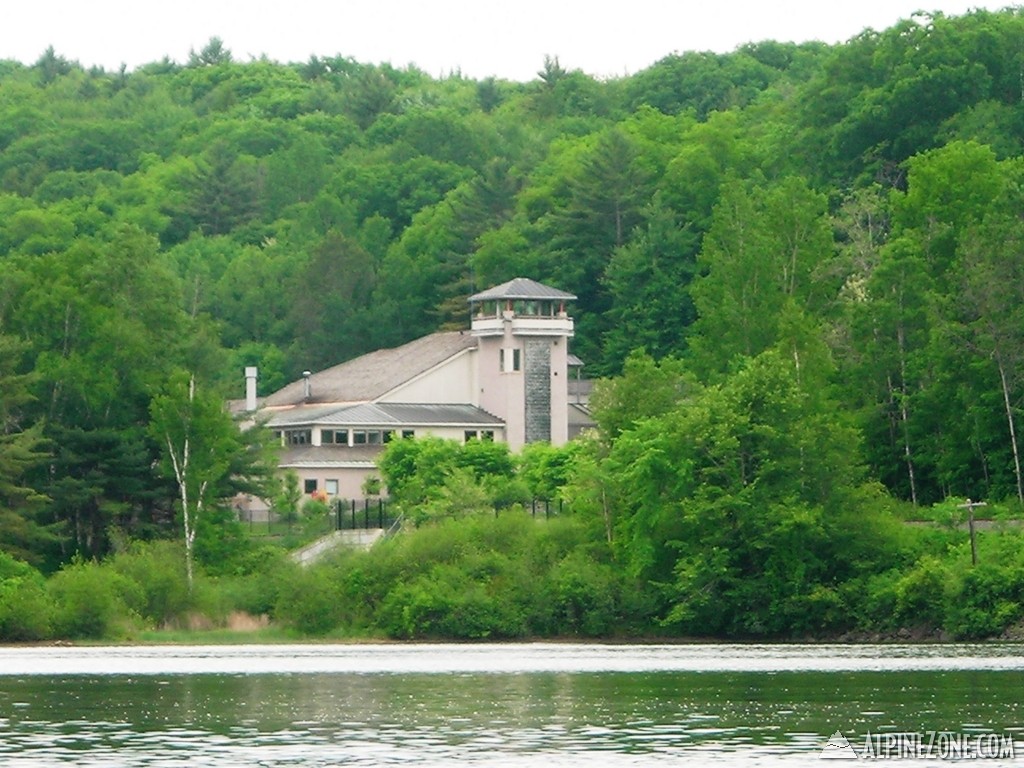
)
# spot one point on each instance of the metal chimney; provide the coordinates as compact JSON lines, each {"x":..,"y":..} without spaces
{"x":307,"y":387}
{"x":251,"y":374}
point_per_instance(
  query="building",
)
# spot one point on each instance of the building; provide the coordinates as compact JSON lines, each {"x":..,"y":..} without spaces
{"x":506,"y":378}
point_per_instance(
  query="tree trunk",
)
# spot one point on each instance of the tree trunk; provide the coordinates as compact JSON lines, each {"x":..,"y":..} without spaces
{"x":181,"y":476}
{"x":905,"y":413}
{"x":1012,"y":427}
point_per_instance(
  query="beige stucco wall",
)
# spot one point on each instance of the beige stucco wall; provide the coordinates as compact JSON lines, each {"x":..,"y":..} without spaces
{"x":560,"y":391}
{"x":452,"y":382}
{"x":350,"y":479}
{"x":503,"y":393}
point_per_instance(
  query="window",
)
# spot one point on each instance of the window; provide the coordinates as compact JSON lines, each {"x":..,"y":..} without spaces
{"x":469,"y":434}
{"x":408,"y":433}
{"x":331,"y":486}
{"x":487,"y":435}
{"x":298,"y":436}
{"x":335,"y":437}
{"x":309,"y":486}
{"x":510,"y":360}
{"x":388,"y":435}
{"x":367,"y":437}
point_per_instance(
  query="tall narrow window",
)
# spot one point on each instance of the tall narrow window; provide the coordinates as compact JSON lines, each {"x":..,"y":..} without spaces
{"x":511,"y":360}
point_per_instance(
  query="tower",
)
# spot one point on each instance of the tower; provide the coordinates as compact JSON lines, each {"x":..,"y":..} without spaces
{"x":523,"y":333}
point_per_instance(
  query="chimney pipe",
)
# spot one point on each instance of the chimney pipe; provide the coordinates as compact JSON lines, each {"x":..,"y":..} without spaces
{"x":307,"y":387}
{"x":251,"y":374}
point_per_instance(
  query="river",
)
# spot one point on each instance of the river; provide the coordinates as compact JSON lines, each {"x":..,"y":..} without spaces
{"x":504,"y":705}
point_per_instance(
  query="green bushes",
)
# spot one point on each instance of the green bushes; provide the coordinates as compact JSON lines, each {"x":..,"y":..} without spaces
{"x":941,"y":591}
{"x":153,"y":582}
{"x":479,"y":577}
{"x":988,"y":601}
{"x":89,"y":600}
{"x":448,"y":602}
{"x":482,"y":577}
{"x":142,"y":587}
{"x":26,"y":609}
{"x":310,"y":603}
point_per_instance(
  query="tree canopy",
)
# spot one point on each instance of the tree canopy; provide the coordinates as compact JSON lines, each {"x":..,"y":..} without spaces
{"x":836,"y":225}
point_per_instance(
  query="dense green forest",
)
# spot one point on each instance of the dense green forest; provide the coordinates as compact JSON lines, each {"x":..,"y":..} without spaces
{"x":800,"y":272}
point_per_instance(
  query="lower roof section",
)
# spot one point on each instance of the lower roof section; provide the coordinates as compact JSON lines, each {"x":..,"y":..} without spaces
{"x":393,"y":415}
{"x":330,"y":457}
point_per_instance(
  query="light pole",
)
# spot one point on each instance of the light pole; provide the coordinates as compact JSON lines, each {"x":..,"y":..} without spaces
{"x":969,"y":506}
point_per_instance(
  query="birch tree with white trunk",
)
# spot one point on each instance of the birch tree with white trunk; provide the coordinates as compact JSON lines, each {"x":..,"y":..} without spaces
{"x":198,"y":439}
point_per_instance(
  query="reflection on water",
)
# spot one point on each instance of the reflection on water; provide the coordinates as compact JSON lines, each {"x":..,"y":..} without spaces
{"x":488,"y":705}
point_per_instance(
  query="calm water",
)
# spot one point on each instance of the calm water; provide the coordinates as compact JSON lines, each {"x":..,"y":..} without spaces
{"x":493,"y":705}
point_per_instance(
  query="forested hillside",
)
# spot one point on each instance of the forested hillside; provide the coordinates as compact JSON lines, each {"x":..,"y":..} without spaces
{"x":824,"y":243}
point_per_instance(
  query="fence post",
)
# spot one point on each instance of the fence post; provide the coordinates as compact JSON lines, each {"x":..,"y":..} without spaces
{"x":353,"y":514}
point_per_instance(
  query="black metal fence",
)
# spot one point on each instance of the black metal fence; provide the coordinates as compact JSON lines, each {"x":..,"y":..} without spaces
{"x":362,"y":514}
{"x":356,"y":514}
{"x":545,"y":507}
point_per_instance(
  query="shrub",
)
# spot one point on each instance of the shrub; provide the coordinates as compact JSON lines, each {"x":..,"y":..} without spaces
{"x":584,"y":594}
{"x":158,"y":570}
{"x":921,"y":594}
{"x":988,"y":602}
{"x":447,"y":603}
{"x":263,"y":577}
{"x":26,"y":609}
{"x":310,"y":602}
{"x":88,"y":600}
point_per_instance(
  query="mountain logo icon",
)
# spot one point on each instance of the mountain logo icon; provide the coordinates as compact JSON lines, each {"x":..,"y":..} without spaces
{"x":838,"y":748}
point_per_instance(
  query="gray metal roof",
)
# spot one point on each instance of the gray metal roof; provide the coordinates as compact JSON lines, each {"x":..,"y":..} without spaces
{"x":521,"y":288}
{"x":386,"y":415}
{"x":372,"y":375}
{"x":336,"y":456}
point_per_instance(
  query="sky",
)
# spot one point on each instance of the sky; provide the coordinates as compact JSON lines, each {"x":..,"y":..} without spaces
{"x":479,"y":38}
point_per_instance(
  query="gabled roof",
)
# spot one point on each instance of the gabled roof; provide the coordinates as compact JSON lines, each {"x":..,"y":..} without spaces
{"x":521,"y":288}
{"x":370,"y":376}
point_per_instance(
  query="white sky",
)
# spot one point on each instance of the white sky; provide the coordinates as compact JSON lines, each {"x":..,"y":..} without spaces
{"x":478,"y":37}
